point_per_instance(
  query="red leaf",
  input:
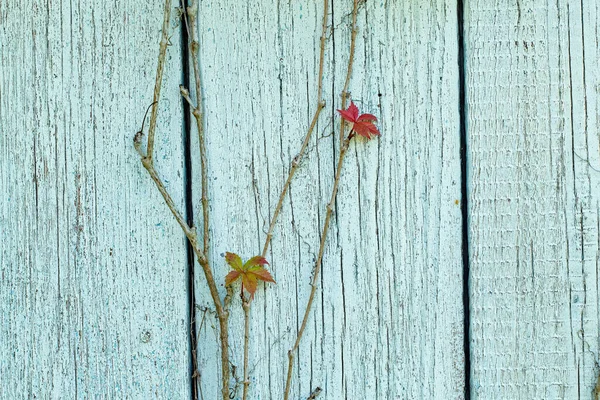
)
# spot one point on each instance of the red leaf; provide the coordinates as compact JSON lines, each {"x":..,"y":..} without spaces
{"x":254,"y":261}
{"x":351,"y":114}
{"x":367,"y":117}
{"x":361,"y":124}
{"x":346,"y":115}
{"x":365,"y":129}
{"x":234,"y":261}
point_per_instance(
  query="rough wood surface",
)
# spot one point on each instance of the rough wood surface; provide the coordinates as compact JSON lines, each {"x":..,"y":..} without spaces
{"x":388,"y":321}
{"x":532,"y":107}
{"x":93,"y":295}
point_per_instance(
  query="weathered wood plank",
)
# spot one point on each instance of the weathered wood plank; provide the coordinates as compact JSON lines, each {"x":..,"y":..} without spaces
{"x":532,"y":76}
{"x":388,"y":320}
{"x":93,"y":295}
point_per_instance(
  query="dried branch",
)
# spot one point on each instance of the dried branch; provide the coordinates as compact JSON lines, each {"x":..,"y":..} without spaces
{"x":298,"y":157}
{"x":191,"y":14}
{"x":190,"y":232}
{"x":344,"y":143}
{"x":159,"y":74}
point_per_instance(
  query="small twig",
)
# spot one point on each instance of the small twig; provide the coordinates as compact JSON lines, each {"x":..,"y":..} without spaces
{"x":190,"y":233}
{"x":159,"y":74}
{"x":298,"y":157}
{"x":314,"y":281}
{"x":288,"y":181}
{"x":137,"y":140}
{"x":246,"y":307}
{"x":315,"y":394}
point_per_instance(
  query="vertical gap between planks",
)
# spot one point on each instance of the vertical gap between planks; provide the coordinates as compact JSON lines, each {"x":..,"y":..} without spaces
{"x":464,"y":198}
{"x":189,"y":207}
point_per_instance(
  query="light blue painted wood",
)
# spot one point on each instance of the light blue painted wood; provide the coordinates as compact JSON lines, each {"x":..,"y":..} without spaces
{"x":93,"y":296}
{"x":387,"y":322}
{"x":93,"y":264}
{"x":534,"y":192}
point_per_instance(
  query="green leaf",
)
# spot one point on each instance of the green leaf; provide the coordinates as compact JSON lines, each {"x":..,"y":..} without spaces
{"x":234,"y":261}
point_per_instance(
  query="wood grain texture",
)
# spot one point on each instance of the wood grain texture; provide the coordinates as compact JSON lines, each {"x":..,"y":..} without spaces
{"x":532,"y":107}
{"x":93,"y":295}
{"x":388,"y":320}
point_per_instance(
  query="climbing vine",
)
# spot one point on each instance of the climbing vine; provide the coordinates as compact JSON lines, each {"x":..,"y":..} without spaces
{"x":248,"y":275}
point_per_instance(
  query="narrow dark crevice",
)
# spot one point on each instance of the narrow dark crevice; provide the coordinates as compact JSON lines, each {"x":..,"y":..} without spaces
{"x":464,"y":199}
{"x":189,"y":207}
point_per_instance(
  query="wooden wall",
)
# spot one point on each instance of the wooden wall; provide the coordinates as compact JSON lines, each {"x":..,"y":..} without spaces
{"x":94,"y":293}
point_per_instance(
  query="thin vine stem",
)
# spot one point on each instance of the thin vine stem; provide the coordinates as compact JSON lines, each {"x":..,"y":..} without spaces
{"x":192,"y":13}
{"x":314,"y":282}
{"x":349,"y":69}
{"x":311,"y":128}
{"x":344,"y":143}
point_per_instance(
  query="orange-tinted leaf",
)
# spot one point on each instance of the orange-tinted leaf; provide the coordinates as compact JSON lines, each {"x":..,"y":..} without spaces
{"x":255,"y":261}
{"x":261,"y":274}
{"x":234,"y":261}
{"x":250,"y":283}
{"x":251,"y":272}
{"x":232,"y":277}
